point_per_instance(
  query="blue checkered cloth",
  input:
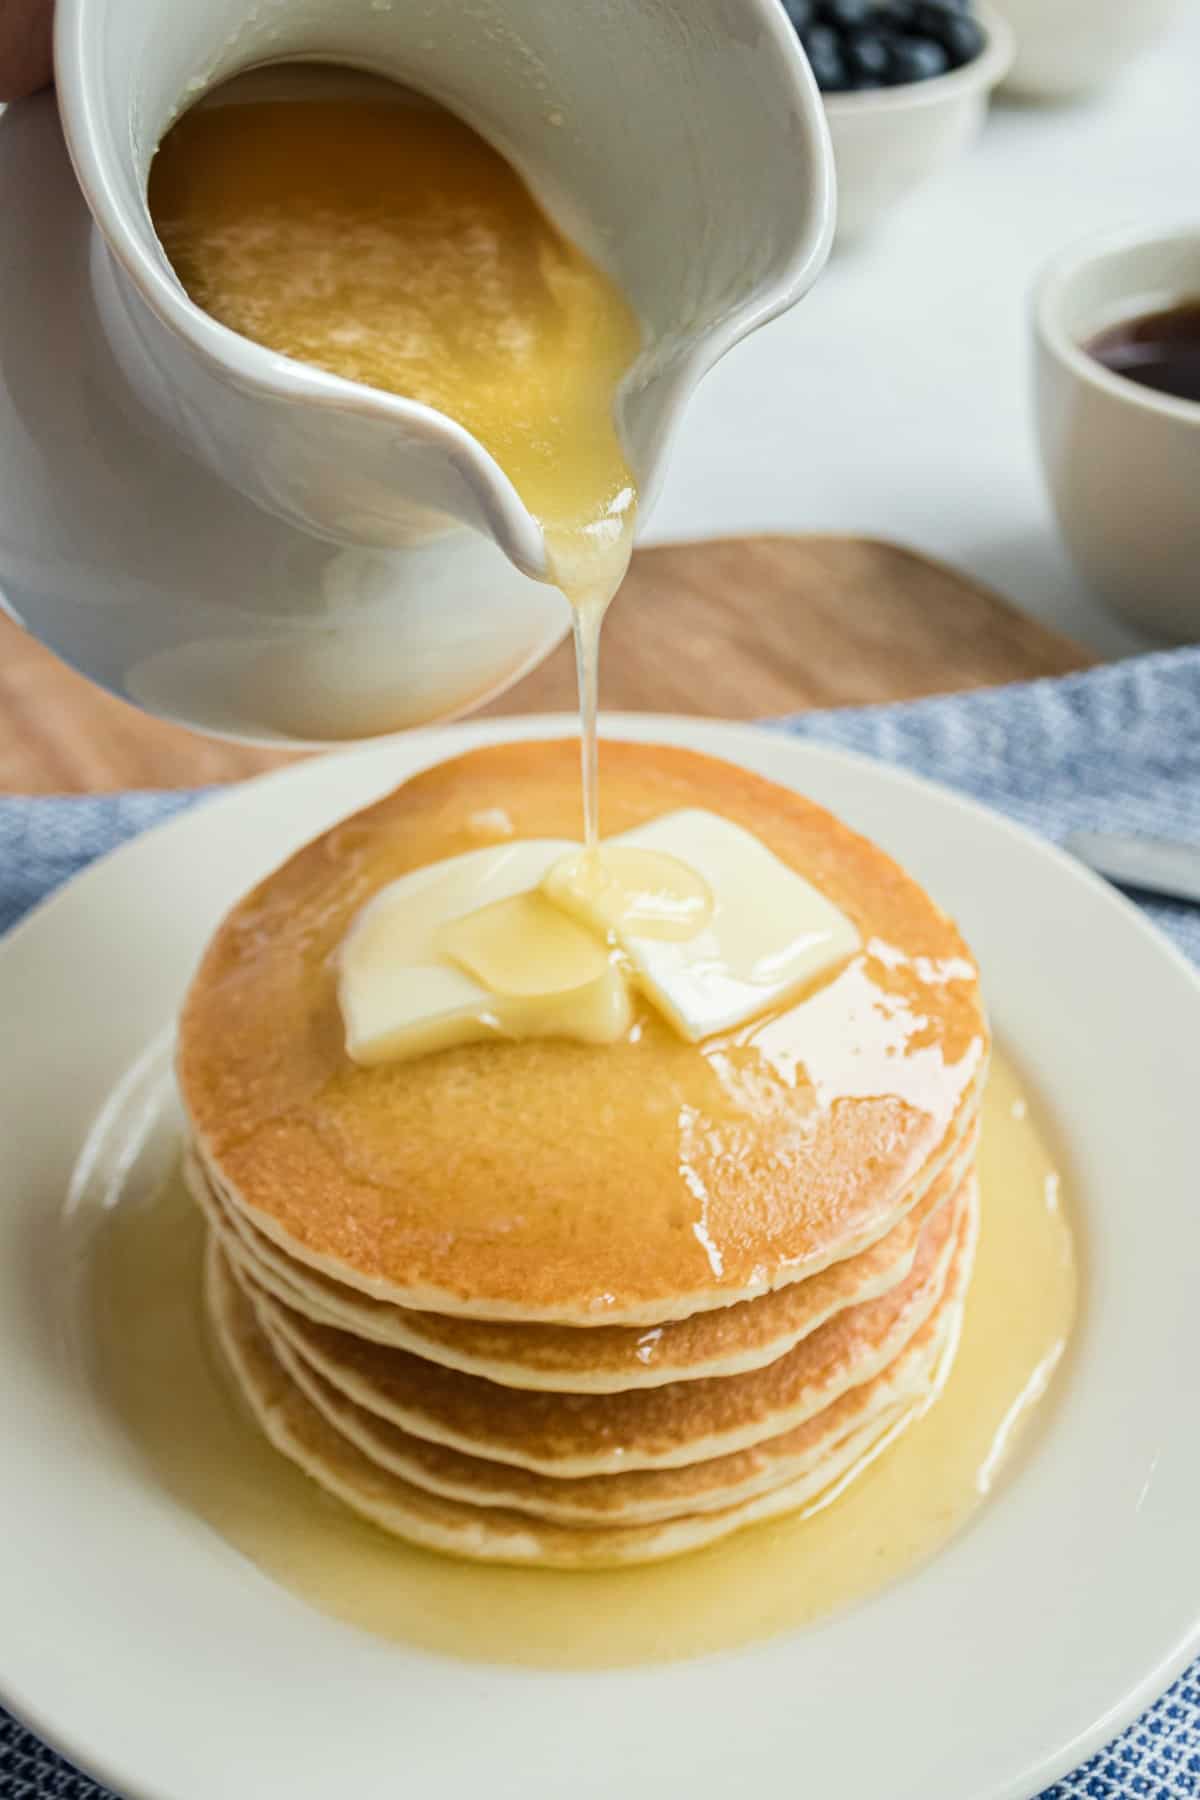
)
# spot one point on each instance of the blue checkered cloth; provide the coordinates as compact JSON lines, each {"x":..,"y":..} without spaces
{"x":1115,"y":749}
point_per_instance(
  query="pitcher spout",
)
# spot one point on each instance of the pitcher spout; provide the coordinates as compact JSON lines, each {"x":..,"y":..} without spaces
{"x":683,"y":148}
{"x":342,"y":462}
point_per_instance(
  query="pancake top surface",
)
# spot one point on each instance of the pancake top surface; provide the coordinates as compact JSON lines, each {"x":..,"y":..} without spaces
{"x":552,"y":1180}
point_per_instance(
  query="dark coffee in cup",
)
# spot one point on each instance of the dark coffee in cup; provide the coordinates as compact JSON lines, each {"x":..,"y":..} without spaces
{"x":1161,"y":350}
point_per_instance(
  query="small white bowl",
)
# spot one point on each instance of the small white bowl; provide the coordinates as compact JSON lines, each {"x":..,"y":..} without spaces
{"x":1065,"y":48}
{"x":888,"y":141}
{"x":1122,"y":461}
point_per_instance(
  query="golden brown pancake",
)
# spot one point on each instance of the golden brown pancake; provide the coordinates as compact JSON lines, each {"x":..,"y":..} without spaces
{"x":499,"y":1533}
{"x":568,"y":1435}
{"x":556,"y":1182}
{"x":596,"y":1359}
{"x":640,"y":1496}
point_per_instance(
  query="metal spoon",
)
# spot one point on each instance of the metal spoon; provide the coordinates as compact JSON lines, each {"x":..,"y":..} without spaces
{"x":1156,"y":865}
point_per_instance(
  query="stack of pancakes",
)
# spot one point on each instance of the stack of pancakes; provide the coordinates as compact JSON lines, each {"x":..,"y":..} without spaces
{"x":553,"y":1303}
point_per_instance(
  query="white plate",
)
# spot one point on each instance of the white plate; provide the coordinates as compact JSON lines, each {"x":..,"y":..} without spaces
{"x":157,"y":1657}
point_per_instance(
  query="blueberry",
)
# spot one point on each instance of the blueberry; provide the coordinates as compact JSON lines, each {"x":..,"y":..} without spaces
{"x":896,"y":15}
{"x":960,"y":36}
{"x":800,"y":12}
{"x":825,"y":59}
{"x":917,"y":59}
{"x":845,"y":14}
{"x":829,"y":73}
{"x":962,"y":39}
{"x":820,"y":41}
{"x":868,"y":58}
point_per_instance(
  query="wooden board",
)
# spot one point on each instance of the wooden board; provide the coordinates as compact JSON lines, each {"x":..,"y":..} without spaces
{"x":735,"y":628}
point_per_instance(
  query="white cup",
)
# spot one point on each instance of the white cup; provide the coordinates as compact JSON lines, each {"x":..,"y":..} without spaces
{"x":1122,"y":461}
{"x":1068,"y":47}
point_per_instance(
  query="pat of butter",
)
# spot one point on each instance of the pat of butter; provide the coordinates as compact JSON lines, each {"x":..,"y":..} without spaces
{"x":769,"y":932}
{"x":535,"y":939}
{"x":524,"y":947}
{"x":624,"y":889}
{"x":408,"y":968}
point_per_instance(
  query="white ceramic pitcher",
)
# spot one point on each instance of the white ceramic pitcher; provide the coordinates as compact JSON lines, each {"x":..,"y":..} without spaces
{"x":259,"y":548}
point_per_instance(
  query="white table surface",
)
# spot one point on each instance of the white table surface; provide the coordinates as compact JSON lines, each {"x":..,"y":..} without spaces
{"x":895,"y":399}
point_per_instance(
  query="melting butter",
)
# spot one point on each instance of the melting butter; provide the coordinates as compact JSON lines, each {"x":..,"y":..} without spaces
{"x":769,"y":932}
{"x":524,"y":947}
{"x":539,"y":938}
{"x":401,"y":995}
{"x":624,"y":890}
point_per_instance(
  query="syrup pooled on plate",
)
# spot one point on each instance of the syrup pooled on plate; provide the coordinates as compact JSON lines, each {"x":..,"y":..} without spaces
{"x":199,"y":1443}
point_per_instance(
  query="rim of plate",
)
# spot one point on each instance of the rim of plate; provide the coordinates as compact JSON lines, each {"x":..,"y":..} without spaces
{"x":1026,"y":1644}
